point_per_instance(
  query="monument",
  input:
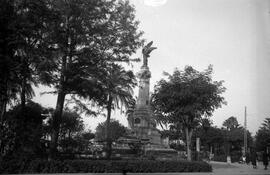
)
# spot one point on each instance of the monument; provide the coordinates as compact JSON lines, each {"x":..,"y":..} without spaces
{"x":142,"y":121}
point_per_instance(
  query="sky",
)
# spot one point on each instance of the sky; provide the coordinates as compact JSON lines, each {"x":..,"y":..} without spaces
{"x":232,"y":35}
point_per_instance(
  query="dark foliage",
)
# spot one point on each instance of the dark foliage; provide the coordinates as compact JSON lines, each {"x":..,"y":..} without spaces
{"x":22,"y":133}
{"x":117,"y":130}
{"x":263,"y":136}
{"x":185,"y":97}
{"x":102,"y":166}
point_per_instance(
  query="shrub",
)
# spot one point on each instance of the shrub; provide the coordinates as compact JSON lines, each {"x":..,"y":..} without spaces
{"x":102,"y":166}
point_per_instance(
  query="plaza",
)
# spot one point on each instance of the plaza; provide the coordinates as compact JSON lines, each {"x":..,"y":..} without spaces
{"x":134,"y":87}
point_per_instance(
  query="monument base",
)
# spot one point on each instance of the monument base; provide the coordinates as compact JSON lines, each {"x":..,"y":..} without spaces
{"x":131,"y":147}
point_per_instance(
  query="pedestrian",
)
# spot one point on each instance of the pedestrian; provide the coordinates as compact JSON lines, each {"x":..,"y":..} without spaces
{"x":254,"y":159}
{"x":244,"y":159}
{"x":265,"y":159}
{"x":248,"y":158}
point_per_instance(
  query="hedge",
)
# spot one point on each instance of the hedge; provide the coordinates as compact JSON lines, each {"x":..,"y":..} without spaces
{"x":102,"y":166}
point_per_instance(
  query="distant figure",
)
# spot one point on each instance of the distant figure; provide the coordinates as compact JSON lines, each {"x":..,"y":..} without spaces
{"x":265,"y":160}
{"x":247,"y":158}
{"x":242,"y":159}
{"x":211,"y":156}
{"x":254,"y":159}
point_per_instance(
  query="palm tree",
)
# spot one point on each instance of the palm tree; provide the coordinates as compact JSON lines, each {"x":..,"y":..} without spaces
{"x":266,"y":124}
{"x":19,"y":54}
{"x":20,"y":50}
{"x":118,"y":87}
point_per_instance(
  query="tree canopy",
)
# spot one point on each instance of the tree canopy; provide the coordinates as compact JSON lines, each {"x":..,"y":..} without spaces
{"x":230,"y":123}
{"x":22,"y":133}
{"x":186,"y":96}
{"x":82,"y":40}
{"x":263,"y":136}
{"x":70,"y":46}
{"x":117,"y":130}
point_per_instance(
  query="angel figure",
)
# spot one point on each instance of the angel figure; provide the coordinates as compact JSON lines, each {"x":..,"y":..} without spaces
{"x":146,"y":52}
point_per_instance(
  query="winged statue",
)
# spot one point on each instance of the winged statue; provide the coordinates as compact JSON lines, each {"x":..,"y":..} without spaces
{"x":146,"y":52}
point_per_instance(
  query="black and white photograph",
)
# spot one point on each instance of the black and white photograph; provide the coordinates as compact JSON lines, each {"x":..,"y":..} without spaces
{"x":135,"y":87}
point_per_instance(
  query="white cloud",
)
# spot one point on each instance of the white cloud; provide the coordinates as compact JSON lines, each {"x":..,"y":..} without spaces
{"x":155,"y":3}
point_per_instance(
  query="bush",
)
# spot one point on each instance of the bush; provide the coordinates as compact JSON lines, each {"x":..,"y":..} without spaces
{"x":102,"y":166}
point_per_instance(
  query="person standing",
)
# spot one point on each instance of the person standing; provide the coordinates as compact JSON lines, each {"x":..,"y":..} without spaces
{"x":265,"y":159}
{"x":248,"y":158}
{"x":254,"y":159}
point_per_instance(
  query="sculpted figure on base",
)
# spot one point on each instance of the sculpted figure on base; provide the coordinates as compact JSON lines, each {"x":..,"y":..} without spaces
{"x":146,"y":52}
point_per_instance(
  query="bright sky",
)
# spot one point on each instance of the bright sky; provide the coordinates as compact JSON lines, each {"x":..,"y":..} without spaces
{"x":233,"y":35}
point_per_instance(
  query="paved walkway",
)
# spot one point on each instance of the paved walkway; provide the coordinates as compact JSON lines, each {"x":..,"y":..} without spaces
{"x":220,"y":168}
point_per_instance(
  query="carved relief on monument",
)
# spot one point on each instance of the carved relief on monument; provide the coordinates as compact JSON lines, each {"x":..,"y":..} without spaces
{"x":144,"y":74}
{"x":146,"y":53}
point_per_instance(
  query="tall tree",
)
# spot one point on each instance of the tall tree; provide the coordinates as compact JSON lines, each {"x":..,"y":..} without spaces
{"x":234,"y":138}
{"x":118,"y":88}
{"x":83,"y":38}
{"x":27,"y":24}
{"x":20,"y":40}
{"x":230,"y":124}
{"x":8,"y":90}
{"x":263,"y":136}
{"x":186,"y":96}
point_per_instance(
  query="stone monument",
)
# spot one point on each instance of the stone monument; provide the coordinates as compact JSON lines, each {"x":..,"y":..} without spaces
{"x":142,"y":122}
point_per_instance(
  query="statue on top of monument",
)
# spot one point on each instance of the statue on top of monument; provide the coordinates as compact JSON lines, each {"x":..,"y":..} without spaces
{"x":146,"y":52}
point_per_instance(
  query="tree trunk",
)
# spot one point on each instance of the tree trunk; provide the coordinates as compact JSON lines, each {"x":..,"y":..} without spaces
{"x":21,"y":135}
{"x":56,"y":120}
{"x":56,"y":117}
{"x":23,"y":99}
{"x":23,"y":85}
{"x":3,"y":112}
{"x":3,"y":102}
{"x":188,"y":139}
{"x":107,"y":131}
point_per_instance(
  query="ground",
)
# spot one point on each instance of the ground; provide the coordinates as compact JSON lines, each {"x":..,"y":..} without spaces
{"x":220,"y":168}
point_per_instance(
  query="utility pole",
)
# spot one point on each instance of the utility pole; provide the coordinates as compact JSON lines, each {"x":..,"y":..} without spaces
{"x":245,"y":132}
